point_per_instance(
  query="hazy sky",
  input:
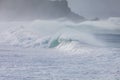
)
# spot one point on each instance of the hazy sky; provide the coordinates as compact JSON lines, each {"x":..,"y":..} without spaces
{"x":92,"y":8}
{"x":96,"y":8}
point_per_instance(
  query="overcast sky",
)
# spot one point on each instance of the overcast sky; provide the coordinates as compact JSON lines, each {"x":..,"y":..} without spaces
{"x":96,"y":8}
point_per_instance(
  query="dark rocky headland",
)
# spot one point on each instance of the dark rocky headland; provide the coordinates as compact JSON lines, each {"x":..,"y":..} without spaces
{"x":23,"y":10}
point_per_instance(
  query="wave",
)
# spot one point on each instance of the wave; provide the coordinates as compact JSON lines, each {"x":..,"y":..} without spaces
{"x":56,"y":34}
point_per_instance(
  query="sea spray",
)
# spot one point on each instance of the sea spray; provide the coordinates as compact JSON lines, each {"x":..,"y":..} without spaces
{"x":56,"y":34}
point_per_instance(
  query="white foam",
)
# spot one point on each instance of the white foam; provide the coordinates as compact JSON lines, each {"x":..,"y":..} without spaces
{"x":44,"y":33}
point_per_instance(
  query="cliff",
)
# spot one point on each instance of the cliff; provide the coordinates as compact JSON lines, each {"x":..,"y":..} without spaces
{"x":37,"y":9}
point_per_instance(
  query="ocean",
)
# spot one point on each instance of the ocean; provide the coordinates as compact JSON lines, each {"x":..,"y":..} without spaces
{"x":56,"y":50}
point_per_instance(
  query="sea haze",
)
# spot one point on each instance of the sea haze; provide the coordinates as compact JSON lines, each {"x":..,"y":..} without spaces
{"x":46,"y":40}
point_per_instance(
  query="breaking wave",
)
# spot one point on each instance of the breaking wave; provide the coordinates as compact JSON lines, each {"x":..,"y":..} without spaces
{"x":56,"y":34}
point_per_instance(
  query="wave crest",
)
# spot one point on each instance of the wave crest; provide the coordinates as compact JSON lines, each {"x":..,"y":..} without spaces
{"x":54,"y":34}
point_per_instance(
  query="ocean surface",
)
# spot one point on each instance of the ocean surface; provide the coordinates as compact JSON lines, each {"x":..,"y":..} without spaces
{"x":56,"y":50}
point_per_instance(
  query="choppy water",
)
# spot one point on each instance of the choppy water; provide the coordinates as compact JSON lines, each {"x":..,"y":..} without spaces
{"x":50,"y":50}
{"x":54,"y":34}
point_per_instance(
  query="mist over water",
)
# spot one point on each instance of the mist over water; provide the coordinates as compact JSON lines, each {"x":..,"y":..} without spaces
{"x":57,"y":34}
{"x":52,"y":24}
{"x":46,"y":40}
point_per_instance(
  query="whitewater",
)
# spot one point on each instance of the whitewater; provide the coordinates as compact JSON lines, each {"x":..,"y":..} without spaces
{"x":60,"y":50}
